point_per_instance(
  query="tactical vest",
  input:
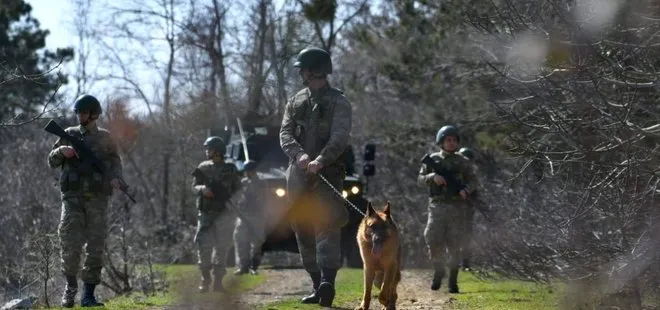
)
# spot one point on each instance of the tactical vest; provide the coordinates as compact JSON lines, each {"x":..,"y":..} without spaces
{"x":216,"y":174}
{"x":437,"y":191}
{"x":86,"y":179}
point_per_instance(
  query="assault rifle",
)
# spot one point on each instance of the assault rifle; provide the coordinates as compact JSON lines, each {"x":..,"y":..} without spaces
{"x":87,"y":157}
{"x":454,"y":186}
{"x":220,"y":194}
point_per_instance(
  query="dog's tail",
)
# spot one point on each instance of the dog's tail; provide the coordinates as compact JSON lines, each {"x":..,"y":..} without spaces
{"x":378,"y":279}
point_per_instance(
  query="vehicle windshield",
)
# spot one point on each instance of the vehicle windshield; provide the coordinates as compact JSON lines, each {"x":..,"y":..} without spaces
{"x":267,"y":151}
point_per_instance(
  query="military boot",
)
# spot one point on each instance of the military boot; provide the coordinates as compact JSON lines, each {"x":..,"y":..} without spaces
{"x":465,"y":264}
{"x":453,"y":280}
{"x":69,"y":296}
{"x":88,"y":299}
{"x":326,"y":289}
{"x":314,"y":297}
{"x":205,"y":281}
{"x":437,"y":279}
{"x":256,"y":261}
{"x":218,"y":274}
{"x":241,"y":271}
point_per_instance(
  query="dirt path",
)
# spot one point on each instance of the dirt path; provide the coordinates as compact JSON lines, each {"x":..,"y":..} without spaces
{"x":286,"y":284}
{"x":280,"y":285}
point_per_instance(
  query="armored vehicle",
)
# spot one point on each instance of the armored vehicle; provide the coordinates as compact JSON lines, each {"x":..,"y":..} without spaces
{"x":263,"y":146}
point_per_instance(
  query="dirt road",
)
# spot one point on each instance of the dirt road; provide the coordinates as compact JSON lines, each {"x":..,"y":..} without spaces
{"x":286,"y":284}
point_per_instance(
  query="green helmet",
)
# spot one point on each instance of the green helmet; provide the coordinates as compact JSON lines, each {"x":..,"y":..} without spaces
{"x":215,"y":143}
{"x":467,"y":152}
{"x":445,"y":131}
{"x":314,"y":59}
{"x":250,"y":165}
{"x":87,"y":103}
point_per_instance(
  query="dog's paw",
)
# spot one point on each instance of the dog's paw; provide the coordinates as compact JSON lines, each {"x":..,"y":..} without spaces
{"x":362,"y":307}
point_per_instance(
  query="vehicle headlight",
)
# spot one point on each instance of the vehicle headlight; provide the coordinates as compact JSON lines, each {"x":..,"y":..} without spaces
{"x":280,"y":192}
{"x":355,"y":190}
{"x":344,"y":193}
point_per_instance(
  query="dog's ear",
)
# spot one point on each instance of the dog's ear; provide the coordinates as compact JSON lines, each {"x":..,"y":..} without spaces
{"x":370,"y":210}
{"x":387,"y":208}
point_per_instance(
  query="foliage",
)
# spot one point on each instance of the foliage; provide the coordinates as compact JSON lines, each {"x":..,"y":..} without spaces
{"x":25,"y":66}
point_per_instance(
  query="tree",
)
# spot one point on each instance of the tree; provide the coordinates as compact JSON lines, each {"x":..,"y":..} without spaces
{"x":27,"y":85}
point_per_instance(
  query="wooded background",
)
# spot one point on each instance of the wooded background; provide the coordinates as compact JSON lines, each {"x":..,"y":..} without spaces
{"x":558,"y":98}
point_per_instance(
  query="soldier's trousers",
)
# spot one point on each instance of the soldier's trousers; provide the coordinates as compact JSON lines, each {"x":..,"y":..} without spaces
{"x":318,"y":216}
{"x":213,"y":240}
{"x":248,"y":239}
{"x":443,"y":233}
{"x":83,"y":223}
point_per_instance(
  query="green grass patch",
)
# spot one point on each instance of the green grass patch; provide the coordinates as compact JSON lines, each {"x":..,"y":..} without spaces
{"x":502,"y":294}
{"x":182,"y":282}
{"x":475,"y":294}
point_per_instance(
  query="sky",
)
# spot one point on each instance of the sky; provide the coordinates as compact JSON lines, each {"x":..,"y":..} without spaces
{"x":54,"y":15}
{"x":58,"y":15}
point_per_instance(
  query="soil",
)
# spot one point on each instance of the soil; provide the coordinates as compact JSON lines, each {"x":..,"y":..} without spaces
{"x":286,"y":284}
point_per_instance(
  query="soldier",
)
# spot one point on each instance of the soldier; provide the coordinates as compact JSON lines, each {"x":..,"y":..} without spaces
{"x":468,"y":218}
{"x":85,"y":197}
{"x":214,"y":222}
{"x":314,"y":134}
{"x":445,"y":211}
{"x":249,"y":236}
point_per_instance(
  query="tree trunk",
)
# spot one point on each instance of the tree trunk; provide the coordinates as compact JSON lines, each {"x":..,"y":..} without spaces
{"x":167,"y":101}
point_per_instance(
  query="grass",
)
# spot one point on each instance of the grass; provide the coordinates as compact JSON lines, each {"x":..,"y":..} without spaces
{"x":502,"y":294}
{"x":183,"y":281}
{"x":475,"y":294}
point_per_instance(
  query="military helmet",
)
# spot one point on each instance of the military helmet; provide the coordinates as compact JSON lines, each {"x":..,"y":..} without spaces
{"x":87,"y":103}
{"x":314,"y":59}
{"x":467,"y":152}
{"x":445,"y":131}
{"x":250,"y":165}
{"x":215,"y":143}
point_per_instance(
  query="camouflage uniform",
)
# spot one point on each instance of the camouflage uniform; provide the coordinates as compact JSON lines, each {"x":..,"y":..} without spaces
{"x":214,"y":223}
{"x":250,"y":236}
{"x":317,"y":123}
{"x":85,"y":196}
{"x":445,"y":224}
{"x":468,"y":217}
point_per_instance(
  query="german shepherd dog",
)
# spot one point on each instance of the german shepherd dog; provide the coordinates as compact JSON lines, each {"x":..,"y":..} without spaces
{"x":380,"y":249}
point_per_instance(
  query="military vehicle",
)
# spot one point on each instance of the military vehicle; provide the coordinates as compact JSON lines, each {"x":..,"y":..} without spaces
{"x":263,"y":146}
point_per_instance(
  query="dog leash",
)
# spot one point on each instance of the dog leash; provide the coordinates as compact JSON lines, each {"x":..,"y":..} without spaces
{"x":340,"y":195}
